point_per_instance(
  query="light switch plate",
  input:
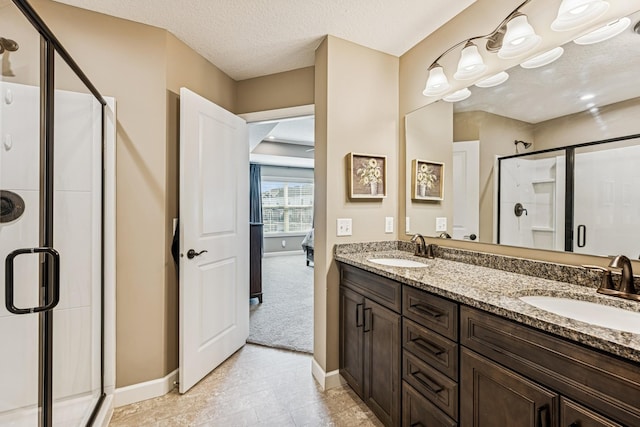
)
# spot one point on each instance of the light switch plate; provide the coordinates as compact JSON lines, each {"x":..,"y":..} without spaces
{"x":388,"y":224}
{"x":407,"y":224}
{"x":441,"y":223}
{"x":344,"y":227}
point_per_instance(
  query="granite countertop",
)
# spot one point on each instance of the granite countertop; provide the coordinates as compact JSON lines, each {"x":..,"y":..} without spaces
{"x":497,"y":291}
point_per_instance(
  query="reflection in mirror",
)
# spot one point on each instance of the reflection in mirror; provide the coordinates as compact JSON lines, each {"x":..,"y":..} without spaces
{"x":590,"y":93}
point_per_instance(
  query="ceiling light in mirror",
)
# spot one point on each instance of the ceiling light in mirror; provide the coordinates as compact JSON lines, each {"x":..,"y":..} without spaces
{"x":437,"y":83}
{"x":494,"y":80}
{"x":573,"y":14}
{"x":519,"y":39}
{"x":543,"y":59}
{"x":459,"y":95}
{"x":471,"y":64}
{"x":610,"y":30}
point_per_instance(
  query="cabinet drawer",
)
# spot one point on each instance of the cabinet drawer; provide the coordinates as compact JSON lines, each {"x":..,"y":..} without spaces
{"x":418,"y":411}
{"x":379,"y":289}
{"x":435,"y":313}
{"x":602,"y":382}
{"x":573,"y":414}
{"x":431,"y":348}
{"x":436,"y":387}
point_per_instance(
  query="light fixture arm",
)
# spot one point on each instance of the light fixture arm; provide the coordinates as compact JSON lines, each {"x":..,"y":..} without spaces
{"x":492,"y":36}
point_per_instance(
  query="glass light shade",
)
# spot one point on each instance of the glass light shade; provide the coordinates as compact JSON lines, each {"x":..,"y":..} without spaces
{"x":573,"y":14}
{"x":458,"y":95}
{"x":519,"y":39}
{"x":543,"y":59}
{"x":494,"y":80}
{"x":471,"y":64}
{"x":604,"y":33}
{"x":437,"y":83}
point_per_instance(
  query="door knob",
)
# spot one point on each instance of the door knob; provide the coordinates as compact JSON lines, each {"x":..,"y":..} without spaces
{"x":192,"y":254}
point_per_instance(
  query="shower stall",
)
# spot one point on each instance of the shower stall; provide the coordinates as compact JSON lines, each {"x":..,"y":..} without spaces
{"x":582,"y":198}
{"x":56,"y":231}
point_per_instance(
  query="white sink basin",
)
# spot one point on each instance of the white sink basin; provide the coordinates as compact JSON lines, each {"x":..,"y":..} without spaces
{"x":397,"y":262}
{"x":588,"y":312}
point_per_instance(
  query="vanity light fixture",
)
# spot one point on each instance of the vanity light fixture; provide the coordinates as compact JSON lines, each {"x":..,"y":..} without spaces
{"x":573,"y":14}
{"x":610,"y":30}
{"x":471,"y":64}
{"x":494,"y":80}
{"x":543,"y":59}
{"x":519,"y":38}
{"x":437,"y":83}
{"x":459,"y":95}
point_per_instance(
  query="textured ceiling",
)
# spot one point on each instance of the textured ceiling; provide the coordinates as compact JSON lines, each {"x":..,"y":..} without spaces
{"x":251,"y":38}
{"x":606,"y":71}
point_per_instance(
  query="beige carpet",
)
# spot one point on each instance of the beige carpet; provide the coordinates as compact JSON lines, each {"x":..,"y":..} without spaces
{"x":285,"y":317}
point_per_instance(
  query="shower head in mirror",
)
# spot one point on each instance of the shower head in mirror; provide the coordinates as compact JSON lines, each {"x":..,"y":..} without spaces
{"x":524,"y":143}
{"x":8,"y":45}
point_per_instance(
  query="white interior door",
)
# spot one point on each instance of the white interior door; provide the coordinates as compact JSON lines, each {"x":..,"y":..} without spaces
{"x":466,"y":189}
{"x":214,"y":236}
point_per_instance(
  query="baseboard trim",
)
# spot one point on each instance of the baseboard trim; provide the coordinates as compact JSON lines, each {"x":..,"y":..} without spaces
{"x":146,"y":390}
{"x":282,"y":253}
{"x":326,"y":380}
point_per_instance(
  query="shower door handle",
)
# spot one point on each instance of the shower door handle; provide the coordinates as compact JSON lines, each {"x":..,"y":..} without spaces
{"x":55,"y":277}
{"x":582,"y":236}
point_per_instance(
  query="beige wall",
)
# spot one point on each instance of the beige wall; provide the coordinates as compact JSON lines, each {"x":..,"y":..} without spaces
{"x":429,"y":136}
{"x":281,"y":90}
{"x":612,"y":121}
{"x":356,"y":111}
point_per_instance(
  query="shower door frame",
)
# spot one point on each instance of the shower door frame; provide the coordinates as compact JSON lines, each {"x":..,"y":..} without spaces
{"x":49,"y":47}
{"x":570,"y":156}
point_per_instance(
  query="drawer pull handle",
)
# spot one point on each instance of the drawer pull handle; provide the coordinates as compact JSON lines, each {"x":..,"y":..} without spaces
{"x":418,"y":424}
{"x":359,"y":315}
{"x":433,"y":386}
{"x":427,"y":310}
{"x":575,"y":424}
{"x":543,"y":416}
{"x":426,"y":345}
{"x":367,"y":329}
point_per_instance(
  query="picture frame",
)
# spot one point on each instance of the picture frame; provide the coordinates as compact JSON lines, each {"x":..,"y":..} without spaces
{"x":427,"y":180}
{"x":367,"y":176}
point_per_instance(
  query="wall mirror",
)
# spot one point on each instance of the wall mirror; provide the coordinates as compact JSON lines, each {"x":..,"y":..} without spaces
{"x":590,"y":93}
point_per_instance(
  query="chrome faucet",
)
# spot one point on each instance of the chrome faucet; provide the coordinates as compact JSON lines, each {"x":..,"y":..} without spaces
{"x":421,"y":245}
{"x":626,"y":285}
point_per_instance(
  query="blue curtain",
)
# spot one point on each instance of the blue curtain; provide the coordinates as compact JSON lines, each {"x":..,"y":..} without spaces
{"x":255,"y":196}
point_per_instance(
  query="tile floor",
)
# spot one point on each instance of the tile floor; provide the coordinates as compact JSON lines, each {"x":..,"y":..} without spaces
{"x":257,"y":386}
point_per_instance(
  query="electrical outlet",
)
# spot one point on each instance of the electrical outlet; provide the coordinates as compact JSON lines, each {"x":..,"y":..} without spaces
{"x":407,"y":224}
{"x":343,"y":227}
{"x":441,"y":223}
{"x":388,"y":224}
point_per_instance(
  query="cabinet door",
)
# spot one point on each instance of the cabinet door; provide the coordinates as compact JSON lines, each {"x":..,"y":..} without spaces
{"x":573,"y":414}
{"x":494,"y":396}
{"x":352,"y":339}
{"x":382,"y":362}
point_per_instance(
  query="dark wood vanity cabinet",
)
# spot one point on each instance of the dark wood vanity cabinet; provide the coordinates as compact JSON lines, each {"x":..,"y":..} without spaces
{"x":429,"y":359}
{"x":417,"y":359}
{"x":370,"y":340}
{"x":515,"y":375}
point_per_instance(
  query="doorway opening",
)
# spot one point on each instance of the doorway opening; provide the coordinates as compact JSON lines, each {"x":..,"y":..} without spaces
{"x":282,"y":164}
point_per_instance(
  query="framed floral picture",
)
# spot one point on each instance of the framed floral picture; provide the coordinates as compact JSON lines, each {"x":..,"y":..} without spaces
{"x":367,"y":176}
{"x":427,"y":180}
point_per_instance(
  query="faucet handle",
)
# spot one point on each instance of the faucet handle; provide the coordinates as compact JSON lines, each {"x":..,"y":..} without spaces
{"x":607,"y":281}
{"x":430,"y":250}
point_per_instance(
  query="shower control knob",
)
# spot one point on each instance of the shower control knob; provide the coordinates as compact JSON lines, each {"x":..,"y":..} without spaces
{"x":8,"y":142}
{"x":192,"y":254}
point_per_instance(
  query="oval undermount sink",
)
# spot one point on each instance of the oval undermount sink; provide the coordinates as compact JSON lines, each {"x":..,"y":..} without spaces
{"x":397,"y":262}
{"x":588,"y":312}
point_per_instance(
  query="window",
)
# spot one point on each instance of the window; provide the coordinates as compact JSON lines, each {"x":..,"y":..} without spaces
{"x":287,"y":205}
